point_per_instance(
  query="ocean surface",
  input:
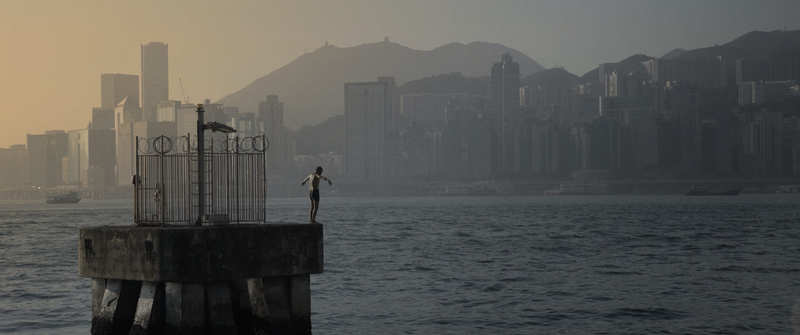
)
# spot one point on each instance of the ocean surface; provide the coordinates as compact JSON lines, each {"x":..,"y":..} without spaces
{"x":478,"y":265}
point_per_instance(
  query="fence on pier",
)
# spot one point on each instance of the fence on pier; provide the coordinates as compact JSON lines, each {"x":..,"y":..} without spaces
{"x":166,"y":180}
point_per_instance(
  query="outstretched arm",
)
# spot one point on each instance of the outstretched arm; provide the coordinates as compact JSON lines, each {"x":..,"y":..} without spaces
{"x":305,"y":180}
{"x":327,"y":179}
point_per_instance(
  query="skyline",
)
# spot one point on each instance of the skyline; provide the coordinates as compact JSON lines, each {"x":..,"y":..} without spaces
{"x":94,"y":37}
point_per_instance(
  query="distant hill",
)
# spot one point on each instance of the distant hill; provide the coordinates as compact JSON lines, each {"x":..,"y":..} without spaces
{"x":755,"y":44}
{"x":674,"y":53}
{"x":312,"y":85}
{"x":630,"y":62}
{"x":447,"y":83}
{"x":555,"y":76}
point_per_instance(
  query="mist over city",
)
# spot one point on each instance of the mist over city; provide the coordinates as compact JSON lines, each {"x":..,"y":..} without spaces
{"x":611,"y":166}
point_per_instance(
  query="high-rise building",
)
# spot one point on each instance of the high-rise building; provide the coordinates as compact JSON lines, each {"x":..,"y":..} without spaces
{"x":14,"y":166}
{"x":45,"y":154}
{"x":126,"y":114}
{"x":369,"y":120}
{"x":116,"y":86}
{"x":182,"y":114}
{"x":427,"y":109}
{"x":102,"y":118}
{"x":155,"y":77}
{"x":504,"y":107}
{"x":89,"y":161}
{"x":466,"y":139}
{"x":270,"y":118}
{"x":707,"y":73}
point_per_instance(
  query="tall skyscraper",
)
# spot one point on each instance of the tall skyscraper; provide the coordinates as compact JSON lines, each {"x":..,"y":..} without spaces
{"x":369,"y":116}
{"x":116,"y":86}
{"x":504,"y":108}
{"x":126,"y":114}
{"x":102,"y":118}
{"x":90,"y":158}
{"x":270,"y":117}
{"x":46,"y":153}
{"x":155,"y":77}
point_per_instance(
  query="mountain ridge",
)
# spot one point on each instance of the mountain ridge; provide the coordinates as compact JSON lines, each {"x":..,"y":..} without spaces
{"x":312,"y":84}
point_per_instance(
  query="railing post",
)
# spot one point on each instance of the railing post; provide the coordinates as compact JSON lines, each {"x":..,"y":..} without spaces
{"x":135,"y":185}
{"x":161,"y":186}
{"x":201,"y":173}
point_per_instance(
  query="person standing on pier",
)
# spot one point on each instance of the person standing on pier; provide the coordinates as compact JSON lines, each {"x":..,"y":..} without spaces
{"x":313,"y":191}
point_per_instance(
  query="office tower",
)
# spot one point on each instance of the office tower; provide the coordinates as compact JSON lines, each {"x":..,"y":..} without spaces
{"x":14,"y":166}
{"x":90,"y":158}
{"x":183,"y":115}
{"x":116,"y":86}
{"x":427,"y":109}
{"x":504,"y":107}
{"x":45,"y":154}
{"x":270,"y":120}
{"x":369,"y":121}
{"x":102,"y":118}
{"x":155,"y":77}
{"x":126,"y":114}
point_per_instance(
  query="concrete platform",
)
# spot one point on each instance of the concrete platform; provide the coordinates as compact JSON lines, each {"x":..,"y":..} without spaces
{"x":231,"y":279}
{"x":204,"y":254}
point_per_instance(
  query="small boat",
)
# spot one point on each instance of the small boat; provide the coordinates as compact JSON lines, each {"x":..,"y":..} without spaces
{"x":701,"y":191}
{"x":64,"y":198}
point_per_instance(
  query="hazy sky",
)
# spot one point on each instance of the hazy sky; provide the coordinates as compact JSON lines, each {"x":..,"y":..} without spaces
{"x":54,"y":51}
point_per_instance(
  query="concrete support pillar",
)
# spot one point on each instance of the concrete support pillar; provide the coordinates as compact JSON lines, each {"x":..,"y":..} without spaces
{"x":185,"y":308}
{"x":149,"y":315}
{"x":300,"y":295}
{"x":276,"y":293}
{"x":259,"y":311}
{"x":241,"y":305}
{"x":117,"y":308}
{"x":98,"y":290}
{"x":220,"y":309}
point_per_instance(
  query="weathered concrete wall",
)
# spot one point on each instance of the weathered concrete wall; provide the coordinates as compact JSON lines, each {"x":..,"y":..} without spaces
{"x":203,"y":254}
{"x":234,"y":279}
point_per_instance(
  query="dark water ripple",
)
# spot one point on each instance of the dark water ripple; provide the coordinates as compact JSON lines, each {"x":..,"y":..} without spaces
{"x":517,"y":265}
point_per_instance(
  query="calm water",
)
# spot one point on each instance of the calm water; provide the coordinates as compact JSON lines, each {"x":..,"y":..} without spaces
{"x":490,"y":265}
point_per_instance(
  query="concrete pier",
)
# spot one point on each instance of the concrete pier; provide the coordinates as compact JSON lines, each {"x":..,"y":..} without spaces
{"x":233,"y":279}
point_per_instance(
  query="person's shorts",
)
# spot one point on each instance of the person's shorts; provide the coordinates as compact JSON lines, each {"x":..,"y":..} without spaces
{"x":314,"y":195}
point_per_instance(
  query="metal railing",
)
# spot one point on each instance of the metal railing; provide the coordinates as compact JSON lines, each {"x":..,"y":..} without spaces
{"x":166,"y":185}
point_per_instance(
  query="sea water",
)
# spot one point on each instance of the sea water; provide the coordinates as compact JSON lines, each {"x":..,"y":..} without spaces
{"x":484,"y":265}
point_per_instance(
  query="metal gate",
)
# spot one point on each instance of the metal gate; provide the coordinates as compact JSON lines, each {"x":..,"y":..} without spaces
{"x":166,"y":185}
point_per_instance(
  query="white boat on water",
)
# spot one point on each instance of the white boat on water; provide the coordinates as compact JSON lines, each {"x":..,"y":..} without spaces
{"x":579,"y":189}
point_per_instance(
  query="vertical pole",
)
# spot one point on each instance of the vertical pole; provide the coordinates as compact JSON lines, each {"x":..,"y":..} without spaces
{"x":239,"y":187}
{"x":264,"y":165}
{"x":136,"y":190}
{"x":162,"y":188}
{"x":187,"y":209}
{"x":201,"y":172}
